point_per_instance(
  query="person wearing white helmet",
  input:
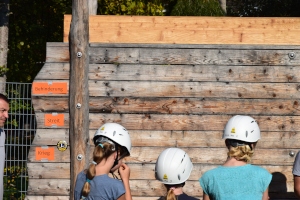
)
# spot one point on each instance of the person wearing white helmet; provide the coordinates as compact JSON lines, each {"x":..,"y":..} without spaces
{"x":112,"y":144}
{"x":173,"y":167}
{"x":236,"y":179}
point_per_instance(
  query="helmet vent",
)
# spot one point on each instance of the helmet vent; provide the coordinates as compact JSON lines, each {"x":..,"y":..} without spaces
{"x":183,"y":171}
{"x":114,"y":133}
{"x":252,"y":121}
{"x":178,"y":177}
{"x":182,"y":160}
{"x":246,"y":133}
{"x":121,"y":134}
{"x":252,"y":131}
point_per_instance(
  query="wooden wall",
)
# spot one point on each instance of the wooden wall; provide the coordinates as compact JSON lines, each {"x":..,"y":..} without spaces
{"x":191,"y":30}
{"x":175,"y":96}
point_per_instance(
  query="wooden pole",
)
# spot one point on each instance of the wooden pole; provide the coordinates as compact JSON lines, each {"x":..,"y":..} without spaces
{"x":79,"y":95}
{"x":93,"y":6}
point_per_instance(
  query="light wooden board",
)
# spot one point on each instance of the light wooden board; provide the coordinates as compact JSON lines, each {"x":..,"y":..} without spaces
{"x":146,"y":171}
{"x":131,"y":72}
{"x":59,"y":187}
{"x":210,"y":56}
{"x":288,"y":140}
{"x":178,"y":122}
{"x":198,"y":155}
{"x":189,"y":89}
{"x":48,"y":170}
{"x":47,"y":197}
{"x":174,"y":105}
{"x":190,"y":30}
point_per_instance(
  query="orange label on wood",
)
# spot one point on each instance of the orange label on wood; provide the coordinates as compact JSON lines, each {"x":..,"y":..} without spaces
{"x":51,"y":119}
{"x":45,"y":88}
{"x":41,"y":153}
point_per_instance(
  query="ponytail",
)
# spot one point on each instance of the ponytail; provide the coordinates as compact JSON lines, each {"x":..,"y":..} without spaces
{"x":243,"y":153}
{"x":170,"y":195}
{"x":101,"y":151}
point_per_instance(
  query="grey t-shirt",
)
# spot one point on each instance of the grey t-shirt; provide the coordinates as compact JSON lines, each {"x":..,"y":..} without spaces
{"x":296,"y":167}
{"x":102,"y":187}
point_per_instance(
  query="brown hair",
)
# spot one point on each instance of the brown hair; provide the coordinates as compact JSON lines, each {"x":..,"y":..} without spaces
{"x":243,"y":153}
{"x":170,"y":195}
{"x":99,"y":154}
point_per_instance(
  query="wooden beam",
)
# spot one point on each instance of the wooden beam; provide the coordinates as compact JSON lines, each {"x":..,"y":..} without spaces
{"x":79,"y":116}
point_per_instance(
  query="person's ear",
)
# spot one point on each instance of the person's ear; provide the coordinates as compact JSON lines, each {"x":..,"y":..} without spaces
{"x":115,"y":155}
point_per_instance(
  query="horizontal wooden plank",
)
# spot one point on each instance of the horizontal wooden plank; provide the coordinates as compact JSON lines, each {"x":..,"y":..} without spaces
{"x":59,"y":156}
{"x":192,"y":56}
{"x":154,"y":29}
{"x":151,"y":105}
{"x":28,"y":197}
{"x":209,"y":155}
{"x":194,"y":89}
{"x":50,"y":137}
{"x":179,"y":122}
{"x":48,"y":187}
{"x":240,"y":57}
{"x":177,"y":72}
{"x":188,"y":89}
{"x":146,"y":171}
{"x":48,"y":170}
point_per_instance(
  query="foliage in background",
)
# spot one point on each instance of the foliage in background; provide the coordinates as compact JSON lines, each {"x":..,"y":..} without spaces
{"x":130,"y":7}
{"x":31,"y":25}
{"x":14,"y":182}
{"x":197,"y":8}
{"x":263,"y":8}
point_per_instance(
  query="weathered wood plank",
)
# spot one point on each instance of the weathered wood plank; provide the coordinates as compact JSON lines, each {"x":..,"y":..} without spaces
{"x":47,"y":197}
{"x":50,"y":136}
{"x":174,"y":105}
{"x":48,"y":170}
{"x":179,"y":122}
{"x":211,"y":56}
{"x":146,"y":171}
{"x":50,"y":187}
{"x":192,"y":56}
{"x":177,"y":72}
{"x":57,"y":71}
{"x":209,"y":155}
{"x":189,"y":89}
{"x":194,"y":89}
{"x":59,"y":156}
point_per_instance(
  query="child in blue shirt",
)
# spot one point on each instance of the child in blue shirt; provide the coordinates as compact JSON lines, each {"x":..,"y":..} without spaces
{"x":236,"y":179}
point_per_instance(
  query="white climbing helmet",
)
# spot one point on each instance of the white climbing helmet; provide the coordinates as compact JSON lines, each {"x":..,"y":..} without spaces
{"x":114,"y":132}
{"x":243,"y":128}
{"x":173,"y":166}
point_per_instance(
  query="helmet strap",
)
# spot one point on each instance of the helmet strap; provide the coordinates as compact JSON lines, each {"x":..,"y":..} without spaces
{"x":236,"y":143}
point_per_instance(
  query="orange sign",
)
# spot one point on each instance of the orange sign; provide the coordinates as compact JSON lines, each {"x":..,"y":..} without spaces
{"x":44,"y":153}
{"x":57,"y":119}
{"x":46,"y":88}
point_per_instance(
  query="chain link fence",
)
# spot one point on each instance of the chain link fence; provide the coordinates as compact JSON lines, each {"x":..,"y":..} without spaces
{"x":20,"y":131}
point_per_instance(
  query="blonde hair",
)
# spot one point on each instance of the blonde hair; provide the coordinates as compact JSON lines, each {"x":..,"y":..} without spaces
{"x":243,"y":153}
{"x":170,"y":195}
{"x":101,"y":152}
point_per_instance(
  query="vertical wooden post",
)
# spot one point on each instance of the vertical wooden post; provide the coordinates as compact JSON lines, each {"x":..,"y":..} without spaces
{"x":79,"y":95}
{"x":93,"y":6}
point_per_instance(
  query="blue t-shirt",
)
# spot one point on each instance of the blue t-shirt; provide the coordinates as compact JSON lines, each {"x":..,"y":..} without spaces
{"x":102,"y":187}
{"x":245,"y":182}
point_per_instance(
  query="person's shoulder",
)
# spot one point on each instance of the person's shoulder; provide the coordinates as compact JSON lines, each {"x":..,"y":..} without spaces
{"x":81,"y":174}
{"x":212,"y":171}
{"x":258,"y":169}
{"x":186,"y":197}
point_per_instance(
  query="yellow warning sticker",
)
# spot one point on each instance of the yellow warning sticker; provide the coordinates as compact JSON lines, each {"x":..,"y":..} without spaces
{"x":102,"y":129}
{"x":233,"y":130}
{"x":165,"y":176}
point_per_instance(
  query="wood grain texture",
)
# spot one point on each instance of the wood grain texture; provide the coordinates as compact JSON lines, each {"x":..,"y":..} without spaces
{"x":137,"y":72}
{"x":179,"y":122}
{"x":28,"y":197}
{"x":189,"y":56}
{"x":49,"y":170}
{"x":59,"y":187}
{"x":190,"y":30}
{"x":50,"y":136}
{"x":183,"y":105}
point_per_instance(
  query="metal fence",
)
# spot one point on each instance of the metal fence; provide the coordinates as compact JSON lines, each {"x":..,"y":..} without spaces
{"x":20,"y":130}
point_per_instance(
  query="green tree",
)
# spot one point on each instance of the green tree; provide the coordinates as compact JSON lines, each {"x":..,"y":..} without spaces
{"x":130,"y":7}
{"x":197,"y":8}
{"x":263,"y":8}
{"x":32,"y":25}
